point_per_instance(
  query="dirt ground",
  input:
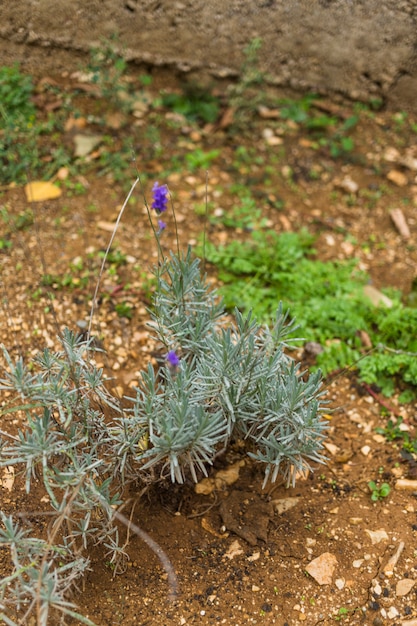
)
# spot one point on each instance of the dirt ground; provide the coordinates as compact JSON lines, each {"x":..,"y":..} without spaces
{"x":241,"y":553}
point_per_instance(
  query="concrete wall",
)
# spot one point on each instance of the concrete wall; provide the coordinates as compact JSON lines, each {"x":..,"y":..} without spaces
{"x":360,"y":48}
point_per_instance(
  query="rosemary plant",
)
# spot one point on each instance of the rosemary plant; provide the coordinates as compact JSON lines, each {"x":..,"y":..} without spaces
{"x":217,"y":380}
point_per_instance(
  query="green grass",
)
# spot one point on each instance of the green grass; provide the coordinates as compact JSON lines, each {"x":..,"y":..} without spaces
{"x":328,"y":302}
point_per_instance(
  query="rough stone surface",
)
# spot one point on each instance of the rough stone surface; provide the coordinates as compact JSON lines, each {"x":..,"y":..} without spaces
{"x":322,"y":568}
{"x":358,"y":48}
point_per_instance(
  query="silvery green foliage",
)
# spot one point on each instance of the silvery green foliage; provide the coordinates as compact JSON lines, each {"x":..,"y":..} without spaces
{"x":42,"y":575}
{"x":233,"y":380}
{"x":65,"y":443}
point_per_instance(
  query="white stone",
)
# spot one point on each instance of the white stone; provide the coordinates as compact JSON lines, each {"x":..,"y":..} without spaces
{"x":404,"y":586}
{"x":322,"y":568}
{"x":392,"y":612}
{"x":377,"y":535}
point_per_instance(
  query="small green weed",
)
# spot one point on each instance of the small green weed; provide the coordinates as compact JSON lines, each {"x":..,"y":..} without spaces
{"x":328,"y":131}
{"x":116,"y":165}
{"x":5,"y":244}
{"x":16,"y":91}
{"x":195,"y":103}
{"x":378,"y":492}
{"x":66,"y":281}
{"x":393,"y":432}
{"x":245,"y":214}
{"x":124,"y":309}
{"x":13,"y":223}
{"x":198,"y":159}
{"x":22,"y":149}
{"x":108,"y":67}
{"x":80,"y":274}
{"x":248,"y":93}
{"x":17,"y":118}
{"x":114,"y":257}
{"x":21,"y":221}
{"x":341,"y":614}
{"x":299,"y":110}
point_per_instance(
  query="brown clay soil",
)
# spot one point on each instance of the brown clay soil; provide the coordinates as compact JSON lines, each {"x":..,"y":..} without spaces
{"x":239,"y":554}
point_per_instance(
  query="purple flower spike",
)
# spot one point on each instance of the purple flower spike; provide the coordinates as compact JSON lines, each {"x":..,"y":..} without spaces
{"x":161,"y":226}
{"x":160,"y":198}
{"x":172,"y":358}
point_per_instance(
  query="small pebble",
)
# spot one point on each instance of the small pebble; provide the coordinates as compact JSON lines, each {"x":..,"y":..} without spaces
{"x":377,"y":590}
{"x":377,"y":535}
{"x":393,"y":612}
{"x":404,"y":587}
{"x":398,"y":178}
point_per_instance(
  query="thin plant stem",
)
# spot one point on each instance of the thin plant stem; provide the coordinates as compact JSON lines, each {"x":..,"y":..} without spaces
{"x":156,"y":548}
{"x":205,"y":225}
{"x":175,"y":225}
{"x":116,"y":226}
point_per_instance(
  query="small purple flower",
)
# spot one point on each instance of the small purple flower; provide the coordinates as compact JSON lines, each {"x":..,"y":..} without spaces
{"x":161,"y":226}
{"x":172,"y":358}
{"x":160,"y":198}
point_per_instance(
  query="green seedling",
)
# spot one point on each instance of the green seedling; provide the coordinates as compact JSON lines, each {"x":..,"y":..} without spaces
{"x":378,"y":492}
{"x":114,"y":257}
{"x":341,"y":614}
{"x":195,"y":103}
{"x":248,"y":93}
{"x":124,"y":309}
{"x":394,"y":432}
{"x":245,"y":215}
{"x":198,"y":159}
{"x":5,"y":244}
{"x":107,"y":68}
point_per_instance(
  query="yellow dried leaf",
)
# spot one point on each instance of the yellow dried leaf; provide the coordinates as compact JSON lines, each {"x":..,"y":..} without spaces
{"x":40,"y":190}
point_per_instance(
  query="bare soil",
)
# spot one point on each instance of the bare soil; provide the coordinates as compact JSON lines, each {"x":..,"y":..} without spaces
{"x":239,"y":558}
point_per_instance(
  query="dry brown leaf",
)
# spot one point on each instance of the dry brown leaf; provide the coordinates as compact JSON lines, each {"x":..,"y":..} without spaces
{"x":400,"y":223}
{"x":39,"y":190}
{"x":227,"y":118}
{"x":209,"y":528}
